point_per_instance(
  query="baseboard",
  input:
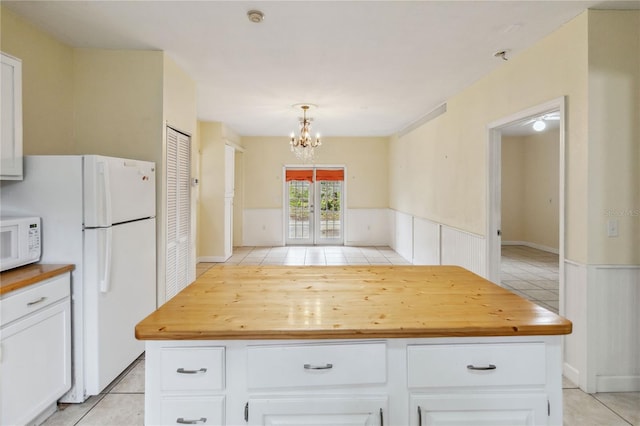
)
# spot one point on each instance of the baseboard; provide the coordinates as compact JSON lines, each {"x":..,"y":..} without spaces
{"x":213,"y":259}
{"x":532,"y":245}
{"x":618,"y":383}
{"x":571,"y":373}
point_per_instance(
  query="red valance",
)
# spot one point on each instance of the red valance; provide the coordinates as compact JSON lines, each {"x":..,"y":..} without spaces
{"x":329,"y":174}
{"x":299,"y":175}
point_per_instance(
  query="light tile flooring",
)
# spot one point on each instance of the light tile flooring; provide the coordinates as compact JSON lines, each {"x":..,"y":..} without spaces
{"x":531,"y":273}
{"x":122,"y":403}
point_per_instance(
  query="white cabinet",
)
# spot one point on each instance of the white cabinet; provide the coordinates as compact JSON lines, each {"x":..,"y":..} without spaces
{"x":11,"y":118}
{"x":345,"y":410}
{"x":496,"y":409}
{"x":460,"y":384}
{"x":421,"y":381}
{"x":35,"y":362}
{"x":189,"y":385}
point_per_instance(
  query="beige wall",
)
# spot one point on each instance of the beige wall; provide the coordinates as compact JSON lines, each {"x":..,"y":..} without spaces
{"x":614,"y":136}
{"x":365,"y":160}
{"x":530,"y":189}
{"x":47,"y":85}
{"x":118,"y":102}
{"x":95,"y":101}
{"x":438,"y":171}
{"x":211,"y":208}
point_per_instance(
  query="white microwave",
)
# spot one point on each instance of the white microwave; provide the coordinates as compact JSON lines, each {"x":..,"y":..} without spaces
{"x":20,"y":241}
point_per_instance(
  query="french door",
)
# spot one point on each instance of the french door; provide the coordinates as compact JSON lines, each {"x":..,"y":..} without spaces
{"x":314,"y":200}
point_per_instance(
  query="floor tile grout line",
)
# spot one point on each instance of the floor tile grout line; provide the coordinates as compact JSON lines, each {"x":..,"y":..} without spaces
{"x":593,"y":395}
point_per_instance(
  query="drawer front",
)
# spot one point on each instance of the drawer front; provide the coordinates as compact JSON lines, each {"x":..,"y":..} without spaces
{"x":497,"y":364}
{"x":193,"y":410}
{"x":316,"y":365}
{"x":34,"y":298}
{"x":193,"y":369}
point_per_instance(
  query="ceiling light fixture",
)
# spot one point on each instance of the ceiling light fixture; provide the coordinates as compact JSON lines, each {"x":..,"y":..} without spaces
{"x":304,"y":146}
{"x":539,"y":125}
{"x":255,"y":16}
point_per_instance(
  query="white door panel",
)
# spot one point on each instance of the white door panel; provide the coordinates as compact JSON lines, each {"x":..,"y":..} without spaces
{"x":112,"y":311}
{"x":118,"y":190}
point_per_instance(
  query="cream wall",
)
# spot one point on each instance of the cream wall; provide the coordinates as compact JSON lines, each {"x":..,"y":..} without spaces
{"x":614,"y":136}
{"x":530,"y":189}
{"x":211,"y":208}
{"x":438,"y":171}
{"x":47,"y":90}
{"x":95,"y":101}
{"x":365,"y":160}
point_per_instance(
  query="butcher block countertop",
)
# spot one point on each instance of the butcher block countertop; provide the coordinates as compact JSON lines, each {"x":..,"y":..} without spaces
{"x":345,"y":302}
{"x":15,"y":279}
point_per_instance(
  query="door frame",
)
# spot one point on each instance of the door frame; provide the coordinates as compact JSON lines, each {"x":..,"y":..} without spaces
{"x":285,"y":201}
{"x":494,"y":187}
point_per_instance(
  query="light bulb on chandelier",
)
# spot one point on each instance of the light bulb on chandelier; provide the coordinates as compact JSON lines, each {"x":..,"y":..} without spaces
{"x":304,"y":145}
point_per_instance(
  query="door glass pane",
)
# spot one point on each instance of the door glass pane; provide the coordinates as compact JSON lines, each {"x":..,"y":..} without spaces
{"x":299,"y":209}
{"x":330,"y":209}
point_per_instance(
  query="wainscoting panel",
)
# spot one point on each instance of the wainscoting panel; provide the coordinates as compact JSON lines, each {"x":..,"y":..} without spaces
{"x":367,"y":227}
{"x":403,"y":238}
{"x":426,"y":242}
{"x":262,"y":227}
{"x":575,"y":305}
{"x":617,"y":327}
{"x":463,"y":249}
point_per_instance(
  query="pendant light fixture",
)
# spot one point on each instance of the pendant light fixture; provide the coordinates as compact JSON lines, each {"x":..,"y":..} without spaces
{"x":303,"y":146}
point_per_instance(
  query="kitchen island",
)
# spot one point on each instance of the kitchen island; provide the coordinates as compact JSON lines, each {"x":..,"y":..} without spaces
{"x":396,"y":345}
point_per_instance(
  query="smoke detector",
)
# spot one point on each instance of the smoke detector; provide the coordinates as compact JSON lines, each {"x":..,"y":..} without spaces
{"x":255,"y":16}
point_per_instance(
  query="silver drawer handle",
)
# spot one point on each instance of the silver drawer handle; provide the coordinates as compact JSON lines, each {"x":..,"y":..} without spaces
{"x":182,"y":421}
{"x":481,"y":367}
{"x":35,"y":302}
{"x":183,"y":371}
{"x":318,"y":367}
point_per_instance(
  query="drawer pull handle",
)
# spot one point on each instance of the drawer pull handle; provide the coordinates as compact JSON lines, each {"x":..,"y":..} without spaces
{"x":481,"y":367}
{"x":182,"y":421}
{"x":318,"y":367}
{"x":183,"y":371}
{"x":35,"y":302}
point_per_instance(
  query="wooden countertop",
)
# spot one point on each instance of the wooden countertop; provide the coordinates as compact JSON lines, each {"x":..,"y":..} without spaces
{"x":345,"y":302}
{"x":23,"y":276}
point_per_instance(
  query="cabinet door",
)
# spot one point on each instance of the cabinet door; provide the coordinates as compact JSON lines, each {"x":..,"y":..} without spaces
{"x":495,"y":409}
{"x":363,"y":411}
{"x":11,"y":124}
{"x":36,"y":363}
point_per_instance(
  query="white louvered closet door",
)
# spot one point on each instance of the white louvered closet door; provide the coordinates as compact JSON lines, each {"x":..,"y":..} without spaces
{"x":178,"y":211}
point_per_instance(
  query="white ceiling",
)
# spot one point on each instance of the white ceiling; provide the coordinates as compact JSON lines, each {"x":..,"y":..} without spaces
{"x":372,"y":67}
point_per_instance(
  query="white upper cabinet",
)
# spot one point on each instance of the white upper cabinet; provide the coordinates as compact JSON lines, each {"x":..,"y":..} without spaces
{"x":11,"y":118}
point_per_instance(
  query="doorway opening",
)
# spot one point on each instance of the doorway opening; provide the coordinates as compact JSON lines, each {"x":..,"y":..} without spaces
{"x":314,"y":205}
{"x":528,"y":226}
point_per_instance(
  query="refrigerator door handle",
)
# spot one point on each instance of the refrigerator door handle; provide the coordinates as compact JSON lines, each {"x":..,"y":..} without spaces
{"x":105,"y":283}
{"x":103,"y":168}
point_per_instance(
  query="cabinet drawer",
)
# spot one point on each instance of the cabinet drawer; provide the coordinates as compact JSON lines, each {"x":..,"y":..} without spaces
{"x":34,"y":298}
{"x":194,"y":368}
{"x":497,"y":364}
{"x":316,"y":365}
{"x":193,"y":410}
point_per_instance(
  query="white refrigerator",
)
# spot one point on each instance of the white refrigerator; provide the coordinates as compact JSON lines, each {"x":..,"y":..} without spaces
{"x":99,"y":214}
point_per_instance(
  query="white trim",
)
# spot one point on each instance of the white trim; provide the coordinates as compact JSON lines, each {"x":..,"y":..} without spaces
{"x":434,"y":113}
{"x":494,"y":185}
{"x":234,"y":145}
{"x":617,"y":383}
{"x":213,"y":259}
{"x":532,"y":245}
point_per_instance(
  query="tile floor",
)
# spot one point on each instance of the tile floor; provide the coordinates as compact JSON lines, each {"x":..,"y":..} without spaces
{"x":122,"y":403}
{"x":531,"y":273}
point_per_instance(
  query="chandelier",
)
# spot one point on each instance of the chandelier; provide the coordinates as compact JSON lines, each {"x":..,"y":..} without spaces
{"x":304,"y":146}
